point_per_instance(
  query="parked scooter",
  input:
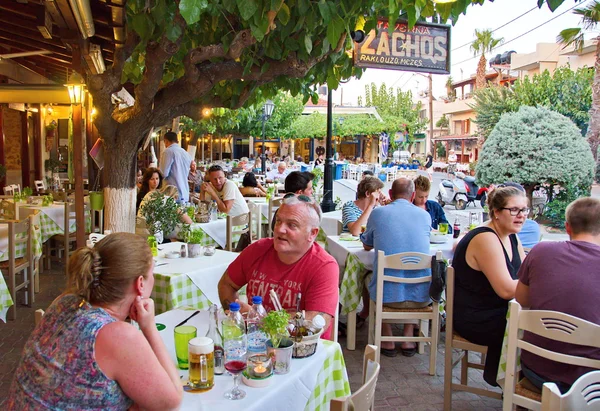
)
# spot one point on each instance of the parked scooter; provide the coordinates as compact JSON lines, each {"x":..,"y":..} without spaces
{"x":453,"y":192}
{"x":474,"y":192}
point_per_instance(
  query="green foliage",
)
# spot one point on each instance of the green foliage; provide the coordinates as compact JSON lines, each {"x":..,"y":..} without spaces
{"x":192,"y":236}
{"x":590,"y":17}
{"x":441,"y":149}
{"x":52,"y":165}
{"x":566,"y":91}
{"x":533,"y":146}
{"x":161,"y":213}
{"x":27,"y":192}
{"x":484,"y":42}
{"x":275,"y":326}
{"x":318,"y":173}
{"x":443,"y":122}
{"x":555,"y":209}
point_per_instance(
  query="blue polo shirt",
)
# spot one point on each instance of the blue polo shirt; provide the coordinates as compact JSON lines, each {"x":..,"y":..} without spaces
{"x":399,"y":227}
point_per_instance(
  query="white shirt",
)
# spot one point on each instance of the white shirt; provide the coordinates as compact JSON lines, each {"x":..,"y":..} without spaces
{"x":231,"y":192}
{"x":452,"y":158}
{"x":276,"y":175}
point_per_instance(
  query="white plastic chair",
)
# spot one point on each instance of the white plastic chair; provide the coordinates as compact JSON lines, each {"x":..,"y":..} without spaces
{"x":583,"y":395}
{"x":378,"y":313}
{"x":40,"y":186}
{"x":255,"y":209}
{"x":552,"y":325}
{"x":242,"y":220}
{"x":273,"y":204}
{"x":95,"y":237}
{"x":364,"y":398}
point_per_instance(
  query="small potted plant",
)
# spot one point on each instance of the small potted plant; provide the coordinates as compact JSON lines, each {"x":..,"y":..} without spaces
{"x":27,"y":195}
{"x":161,"y":214}
{"x":472,"y":166}
{"x":279,"y":345}
{"x":194,"y":239}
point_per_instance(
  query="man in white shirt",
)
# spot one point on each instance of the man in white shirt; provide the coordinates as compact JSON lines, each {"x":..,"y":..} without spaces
{"x":452,"y":159}
{"x":228,"y":197}
{"x":280,"y":174}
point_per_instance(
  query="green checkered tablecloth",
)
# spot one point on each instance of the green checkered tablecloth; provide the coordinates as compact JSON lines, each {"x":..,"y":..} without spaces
{"x":332,"y":381}
{"x":172,"y":291}
{"x":5,"y":299}
{"x":352,"y":283}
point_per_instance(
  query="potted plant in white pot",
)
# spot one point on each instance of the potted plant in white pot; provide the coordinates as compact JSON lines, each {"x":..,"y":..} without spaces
{"x":193,"y":238}
{"x":161,"y":214}
{"x":279,"y":345}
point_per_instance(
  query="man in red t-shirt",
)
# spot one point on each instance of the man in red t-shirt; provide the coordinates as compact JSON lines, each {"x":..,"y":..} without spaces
{"x":289,"y":263}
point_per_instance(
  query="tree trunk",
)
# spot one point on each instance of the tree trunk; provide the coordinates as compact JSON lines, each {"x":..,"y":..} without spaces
{"x":120,"y":191}
{"x":593,"y":132}
{"x":480,"y":79}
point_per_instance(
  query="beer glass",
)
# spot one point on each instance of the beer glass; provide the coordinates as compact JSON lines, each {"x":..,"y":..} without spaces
{"x":201,"y":357}
{"x":183,"y":334}
{"x":443,"y":228}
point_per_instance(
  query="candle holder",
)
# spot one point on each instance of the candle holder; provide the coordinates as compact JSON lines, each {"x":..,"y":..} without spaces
{"x":259,"y":371}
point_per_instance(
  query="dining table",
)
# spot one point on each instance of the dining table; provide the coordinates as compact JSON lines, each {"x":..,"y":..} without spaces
{"x":190,"y":282}
{"x":355,"y":262}
{"x":310,"y":385}
{"x":5,"y":299}
{"x":331,"y":222}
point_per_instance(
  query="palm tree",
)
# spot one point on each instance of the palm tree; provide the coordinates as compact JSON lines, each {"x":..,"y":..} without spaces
{"x":451,"y":92}
{"x":483,"y":43}
{"x":590,"y":17}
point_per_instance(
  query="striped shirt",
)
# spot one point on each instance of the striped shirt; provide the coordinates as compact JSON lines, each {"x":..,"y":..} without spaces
{"x":350,"y":213}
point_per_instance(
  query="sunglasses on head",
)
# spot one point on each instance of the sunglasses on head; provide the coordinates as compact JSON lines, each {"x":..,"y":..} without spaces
{"x":301,"y":197}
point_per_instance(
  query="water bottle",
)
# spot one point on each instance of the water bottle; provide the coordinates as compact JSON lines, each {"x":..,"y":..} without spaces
{"x":257,"y":339}
{"x":213,"y":211}
{"x":234,"y":334}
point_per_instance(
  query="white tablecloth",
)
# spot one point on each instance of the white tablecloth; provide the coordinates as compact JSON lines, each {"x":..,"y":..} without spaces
{"x":289,"y":392}
{"x":205,"y":272}
{"x":263,"y":203}
{"x":217,"y":230}
{"x":56,"y":212}
{"x":330,"y":222}
{"x":340,"y":249}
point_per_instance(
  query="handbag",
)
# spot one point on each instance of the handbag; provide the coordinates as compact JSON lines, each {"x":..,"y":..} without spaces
{"x":438,"y":279}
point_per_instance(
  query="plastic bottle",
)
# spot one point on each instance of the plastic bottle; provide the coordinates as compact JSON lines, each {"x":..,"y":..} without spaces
{"x":213,"y":211}
{"x":234,"y":334}
{"x":257,"y":339}
{"x":215,"y":335}
{"x":456,"y":229}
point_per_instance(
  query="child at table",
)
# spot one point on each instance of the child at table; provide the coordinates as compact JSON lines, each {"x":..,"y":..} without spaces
{"x":83,"y":355}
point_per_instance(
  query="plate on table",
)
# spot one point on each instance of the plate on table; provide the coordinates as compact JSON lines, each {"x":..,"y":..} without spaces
{"x":437,"y":238}
{"x":172,"y":254}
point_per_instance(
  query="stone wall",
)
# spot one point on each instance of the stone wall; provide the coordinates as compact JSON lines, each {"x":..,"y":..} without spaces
{"x":12,"y":138}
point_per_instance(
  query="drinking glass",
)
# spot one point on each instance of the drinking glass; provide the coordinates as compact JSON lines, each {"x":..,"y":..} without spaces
{"x":183,"y":335}
{"x":443,"y":228}
{"x":235,"y":363}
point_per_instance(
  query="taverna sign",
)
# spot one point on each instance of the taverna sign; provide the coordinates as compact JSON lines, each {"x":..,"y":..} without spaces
{"x":423,"y":48}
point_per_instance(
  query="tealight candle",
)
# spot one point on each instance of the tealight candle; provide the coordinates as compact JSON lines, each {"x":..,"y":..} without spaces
{"x":259,"y":366}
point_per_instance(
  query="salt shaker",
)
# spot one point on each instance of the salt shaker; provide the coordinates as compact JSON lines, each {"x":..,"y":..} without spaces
{"x":182,"y":253}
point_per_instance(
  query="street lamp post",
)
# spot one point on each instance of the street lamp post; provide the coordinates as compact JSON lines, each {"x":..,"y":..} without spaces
{"x":267,"y":112}
{"x":327,"y":204}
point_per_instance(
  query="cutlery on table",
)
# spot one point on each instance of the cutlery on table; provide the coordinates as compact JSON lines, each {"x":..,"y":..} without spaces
{"x":187,"y":319}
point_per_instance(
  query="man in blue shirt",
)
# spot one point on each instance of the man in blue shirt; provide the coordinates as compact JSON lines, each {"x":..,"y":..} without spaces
{"x":397,"y":228}
{"x":436,"y":212}
{"x":175,"y":165}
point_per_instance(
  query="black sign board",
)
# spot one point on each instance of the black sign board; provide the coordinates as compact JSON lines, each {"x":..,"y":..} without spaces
{"x":424,"y":48}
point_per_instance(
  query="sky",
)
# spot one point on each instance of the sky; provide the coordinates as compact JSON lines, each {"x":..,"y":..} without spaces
{"x":488,"y":16}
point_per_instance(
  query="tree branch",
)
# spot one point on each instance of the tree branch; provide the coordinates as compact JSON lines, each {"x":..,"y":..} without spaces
{"x":241,"y":41}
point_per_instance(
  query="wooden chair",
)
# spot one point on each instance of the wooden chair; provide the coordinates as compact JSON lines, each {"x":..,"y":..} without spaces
{"x":364,"y":398}
{"x":38,"y":316}
{"x":242,"y":220}
{"x":552,"y":325}
{"x":456,"y":342}
{"x":257,"y":220}
{"x":63,"y":241}
{"x":40,"y":186}
{"x":378,"y":313}
{"x":583,"y":395}
{"x":19,"y":232}
{"x":95,"y":237}
{"x":38,"y":260}
{"x":273,"y":203}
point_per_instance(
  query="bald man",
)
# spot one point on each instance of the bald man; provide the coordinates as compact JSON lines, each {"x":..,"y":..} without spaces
{"x":399,"y":227}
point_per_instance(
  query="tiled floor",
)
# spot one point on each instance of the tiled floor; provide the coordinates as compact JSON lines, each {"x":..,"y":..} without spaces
{"x":404,"y":383}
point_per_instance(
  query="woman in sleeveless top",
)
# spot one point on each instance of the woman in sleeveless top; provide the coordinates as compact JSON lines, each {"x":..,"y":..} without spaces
{"x":486,"y":262}
{"x":83,"y":355}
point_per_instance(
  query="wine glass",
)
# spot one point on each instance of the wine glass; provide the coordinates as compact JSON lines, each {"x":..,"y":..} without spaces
{"x":235,"y":364}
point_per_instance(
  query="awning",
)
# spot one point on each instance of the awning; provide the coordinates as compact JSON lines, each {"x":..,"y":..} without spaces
{"x":34,"y":93}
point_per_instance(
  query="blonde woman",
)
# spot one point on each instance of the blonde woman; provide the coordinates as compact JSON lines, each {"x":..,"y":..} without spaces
{"x":83,"y":354}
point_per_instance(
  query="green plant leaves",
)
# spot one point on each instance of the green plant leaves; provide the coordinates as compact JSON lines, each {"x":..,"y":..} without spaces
{"x":192,"y":9}
{"x":247,"y":8}
{"x":335,"y":29}
{"x":284,"y":14}
{"x":308,"y":45}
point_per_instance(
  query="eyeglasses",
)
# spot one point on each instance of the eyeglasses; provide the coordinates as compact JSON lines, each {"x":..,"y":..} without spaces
{"x":514,"y":211}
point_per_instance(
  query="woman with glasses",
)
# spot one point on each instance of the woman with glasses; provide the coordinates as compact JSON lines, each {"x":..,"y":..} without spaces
{"x":486,"y":262}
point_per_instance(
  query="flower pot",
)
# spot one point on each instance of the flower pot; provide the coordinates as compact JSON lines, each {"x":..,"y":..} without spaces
{"x":194,"y":250}
{"x":96,"y":200}
{"x":281,"y":356}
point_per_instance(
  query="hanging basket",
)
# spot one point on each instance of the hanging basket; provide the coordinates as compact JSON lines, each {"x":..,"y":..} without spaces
{"x":97,"y":200}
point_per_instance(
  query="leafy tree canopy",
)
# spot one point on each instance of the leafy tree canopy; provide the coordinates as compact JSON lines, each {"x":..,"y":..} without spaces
{"x":533,"y":146}
{"x":566,"y":91}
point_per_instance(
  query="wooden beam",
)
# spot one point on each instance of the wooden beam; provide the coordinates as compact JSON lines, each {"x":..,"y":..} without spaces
{"x":78,"y":173}
{"x":30,"y":66}
{"x":18,"y":36}
{"x":67,"y":14}
{"x":23,"y":9}
{"x":55,"y":14}
{"x":25,"y":178}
